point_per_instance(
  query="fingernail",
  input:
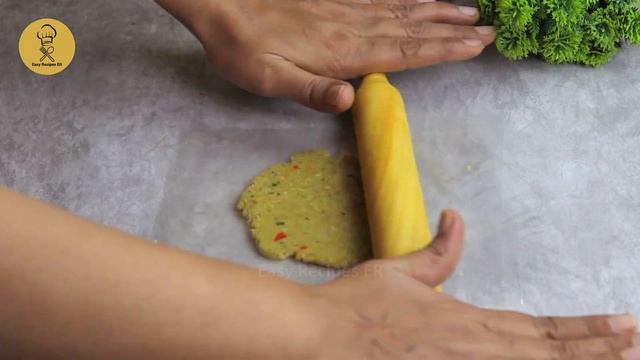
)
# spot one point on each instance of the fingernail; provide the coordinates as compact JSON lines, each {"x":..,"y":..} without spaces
{"x":472,"y":42}
{"x":631,"y":354}
{"x":484,"y":30}
{"x":467,"y":10}
{"x":332,"y":96}
{"x":622,"y":324}
{"x":446,"y":221}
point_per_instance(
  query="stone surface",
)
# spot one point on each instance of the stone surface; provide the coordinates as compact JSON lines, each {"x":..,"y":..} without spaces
{"x":138,"y":133}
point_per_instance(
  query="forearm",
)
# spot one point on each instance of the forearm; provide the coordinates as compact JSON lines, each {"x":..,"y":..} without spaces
{"x":73,"y":289}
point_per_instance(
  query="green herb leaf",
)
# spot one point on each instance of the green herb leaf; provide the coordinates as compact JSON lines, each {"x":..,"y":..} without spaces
{"x":588,"y":32}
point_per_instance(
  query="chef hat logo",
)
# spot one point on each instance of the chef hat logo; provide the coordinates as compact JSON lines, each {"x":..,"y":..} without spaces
{"x":46,"y":34}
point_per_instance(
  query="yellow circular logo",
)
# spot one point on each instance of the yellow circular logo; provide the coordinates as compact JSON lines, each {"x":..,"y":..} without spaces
{"x":47,"y":46}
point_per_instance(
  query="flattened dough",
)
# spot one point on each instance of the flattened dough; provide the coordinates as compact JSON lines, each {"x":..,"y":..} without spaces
{"x":311,"y":208}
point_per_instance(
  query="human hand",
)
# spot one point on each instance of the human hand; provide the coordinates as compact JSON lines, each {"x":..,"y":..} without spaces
{"x":386,"y":309}
{"x":303,"y":50}
{"x":112,"y":295}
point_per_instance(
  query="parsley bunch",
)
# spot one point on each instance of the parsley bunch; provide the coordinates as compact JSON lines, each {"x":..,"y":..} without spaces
{"x":588,"y":32}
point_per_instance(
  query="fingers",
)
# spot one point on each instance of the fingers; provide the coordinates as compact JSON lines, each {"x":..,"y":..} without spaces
{"x":426,"y":30}
{"x":437,"y":12}
{"x":584,"y":327}
{"x":393,"y":54}
{"x":411,"y":41}
{"x":433,"y":265}
{"x":525,"y":348}
{"x":564,"y":328}
{"x":274,"y":76}
{"x":588,"y":337}
{"x":605,"y":346}
{"x":406,"y":35}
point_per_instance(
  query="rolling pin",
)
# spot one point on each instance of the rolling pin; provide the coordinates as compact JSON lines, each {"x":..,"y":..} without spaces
{"x":396,"y":211}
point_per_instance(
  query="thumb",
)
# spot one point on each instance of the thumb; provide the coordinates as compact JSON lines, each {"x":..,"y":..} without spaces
{"x":317,"y":92}
{"x":434,"y":264}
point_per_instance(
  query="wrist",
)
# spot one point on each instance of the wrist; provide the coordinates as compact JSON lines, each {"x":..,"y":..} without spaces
{"x":270,"y":318}
{"x":299,"y":325}
{"x":335,"y":324}
{"x":193,"y":13}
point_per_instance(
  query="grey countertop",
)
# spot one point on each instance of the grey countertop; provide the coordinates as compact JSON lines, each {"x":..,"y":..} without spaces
{"x":542,"y":161}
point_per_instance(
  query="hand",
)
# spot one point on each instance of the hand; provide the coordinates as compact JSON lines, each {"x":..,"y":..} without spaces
{"x":303,"y":50}
{"x":111,"y":295}
{"x":385,"y":309}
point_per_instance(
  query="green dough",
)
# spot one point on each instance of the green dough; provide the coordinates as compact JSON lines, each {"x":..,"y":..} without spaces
{"x":311,"y":208}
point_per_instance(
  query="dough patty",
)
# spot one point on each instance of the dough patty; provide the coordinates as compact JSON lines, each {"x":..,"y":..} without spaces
{"x":311,"y":208}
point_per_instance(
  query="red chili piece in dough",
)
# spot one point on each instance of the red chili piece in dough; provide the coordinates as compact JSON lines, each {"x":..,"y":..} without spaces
{"x":280,"y":236}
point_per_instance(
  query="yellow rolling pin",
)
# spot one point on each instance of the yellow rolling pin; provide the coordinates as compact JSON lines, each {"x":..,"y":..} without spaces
{"x":395,"y":206}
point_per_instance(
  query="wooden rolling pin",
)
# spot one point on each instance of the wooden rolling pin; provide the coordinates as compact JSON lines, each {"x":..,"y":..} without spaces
{"x":395,"y":205}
